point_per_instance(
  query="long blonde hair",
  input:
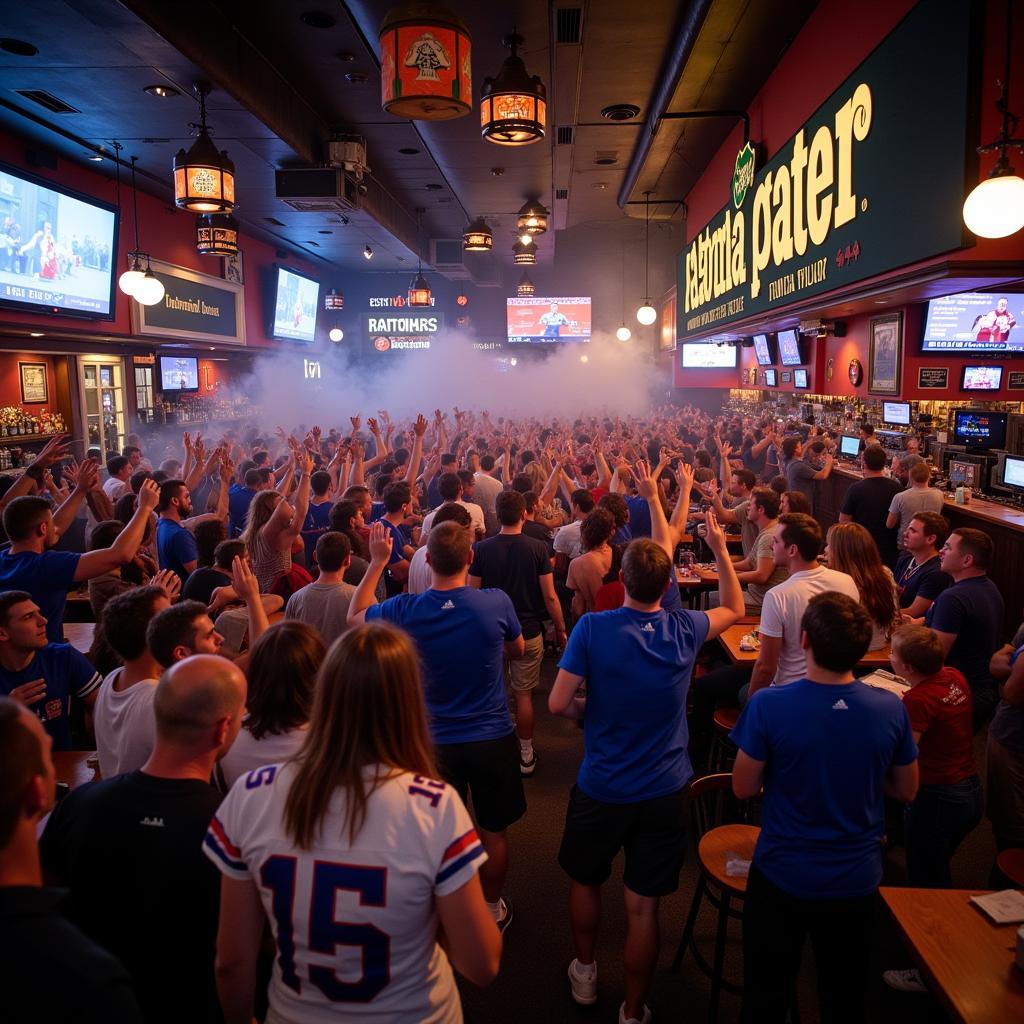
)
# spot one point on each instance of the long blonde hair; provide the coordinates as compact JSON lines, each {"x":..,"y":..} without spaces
{"x":367,"y":710}
{"x":261,"y":508}
{"x":851,"y":549}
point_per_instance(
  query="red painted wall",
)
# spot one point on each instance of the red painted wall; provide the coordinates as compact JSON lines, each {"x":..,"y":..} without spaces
{"x":10,"y":380}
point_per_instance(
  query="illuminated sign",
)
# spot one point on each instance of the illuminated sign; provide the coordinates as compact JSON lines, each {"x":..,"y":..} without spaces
{"x":311,"y":369}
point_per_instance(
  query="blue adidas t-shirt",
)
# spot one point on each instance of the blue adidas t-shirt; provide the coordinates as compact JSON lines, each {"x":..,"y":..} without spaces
{"x":316,"y":523}
{"x":639,"y":517}
{"x":827,"y":750}
{"x":239,"y":499}
{"x":399,"y":538}
{"x":377,"y":510}
{"x":47,"y":577}
{"x":637,"y":666}
{"x":68,"y":674}
{"x":460,"y":635}
{"x":175,"y":546}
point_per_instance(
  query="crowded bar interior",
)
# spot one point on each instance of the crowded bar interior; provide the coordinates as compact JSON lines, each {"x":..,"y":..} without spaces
{"x":489,"y":489}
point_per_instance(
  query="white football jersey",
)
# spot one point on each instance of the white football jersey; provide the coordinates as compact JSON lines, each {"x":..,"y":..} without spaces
{"x":355,"y":924}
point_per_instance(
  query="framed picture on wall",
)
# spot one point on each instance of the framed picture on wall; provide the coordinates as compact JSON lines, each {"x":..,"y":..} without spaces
{"x":233,"y":268}
{"x":885,"y":354}
{"x":33,"y":383}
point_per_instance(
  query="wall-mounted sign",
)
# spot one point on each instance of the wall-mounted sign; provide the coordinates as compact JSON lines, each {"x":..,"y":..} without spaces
{"x":410,"y":329}
{"x":311,"y":369}
{"x":836,"y":204}
{"x":743,"y":174}
{"x":786,"y":376}
{"x":195,"y":307}
{"x":934,"y":378}
{"x":392,"y":301}
{"x":1015,"y":380}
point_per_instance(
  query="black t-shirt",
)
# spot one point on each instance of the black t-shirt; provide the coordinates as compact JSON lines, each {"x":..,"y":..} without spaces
{"x":50,"y":973}
{"x":130,"y":850}
{"x":514,"y":563}
{"x":538,"y":532}
{"x":201,"y":584}
{"x":927,"y":580}
{"x":868,"y":501}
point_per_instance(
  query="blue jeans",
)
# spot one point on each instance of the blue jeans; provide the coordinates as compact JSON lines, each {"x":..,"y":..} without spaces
{"x":936,"y":824}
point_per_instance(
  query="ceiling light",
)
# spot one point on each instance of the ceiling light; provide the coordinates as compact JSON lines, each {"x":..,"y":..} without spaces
{"x":532,"y":218}
{"x":408,"y":151}
{"x":584,"y":359}
{"x":425,"y":63}
{"x":647,"y":314}
{"x":513,"y":361}
{"x":216,"y":234}
{"x":525,"y":288}
{"x":513,"y":106}
{"x":367,"y":253}
{"x":335,"y":334}
{"x":18,"y":47}
{"x":477,"y":237}
{"x":150,"y":289}
{"x":96,"y":157}
{"x":204,"y":179}
{"x":620,"y":111}
{"x":36,"y":334}
{"x":131,"y":280}
{"x":163,"y":92}
{"x":623,"y":333}
{"x":524,"y":254}
{"x":333,"y":301}
{"x":419,"y":290}
{"x":324,"y":231}
{"x":526,"y":238}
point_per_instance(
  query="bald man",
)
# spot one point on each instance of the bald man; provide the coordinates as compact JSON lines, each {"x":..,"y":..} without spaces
{"x":129,"y":848}
{"x":49,"y":970}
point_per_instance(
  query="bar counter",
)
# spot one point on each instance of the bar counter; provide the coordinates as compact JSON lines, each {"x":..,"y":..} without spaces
{"x":1004,"y":525}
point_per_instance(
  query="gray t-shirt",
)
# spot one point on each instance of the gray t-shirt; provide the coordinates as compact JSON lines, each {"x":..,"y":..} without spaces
{"x":763,"y":549}
{"x":324,"y":606}
{"x":906,"y":504}
{"x":748,"y":529}
{"x":800,"y":477}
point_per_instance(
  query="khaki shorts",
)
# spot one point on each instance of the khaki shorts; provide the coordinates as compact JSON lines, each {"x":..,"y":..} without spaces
{"x":524,"y":672}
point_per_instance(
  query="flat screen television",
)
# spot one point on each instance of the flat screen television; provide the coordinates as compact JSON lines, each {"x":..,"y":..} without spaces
{"x":962,"y":471}
{"x":548,"y":321}
{"x":1013,"y":472}
{"x":179,"y":373}
{"x":789,"y":348}
{"x":701,"y":355}
{"x":763,"y":350}
{"x":800,"y":379}
{"x":295,"y":302}
{"x":58,"y":249}
{"x":849,"y":445}
{"x":981,"y":378}
{"x":975,"y":322}
{"x":770,"y":378}
{"x":896,"y":414}
{"x":979,"y":428}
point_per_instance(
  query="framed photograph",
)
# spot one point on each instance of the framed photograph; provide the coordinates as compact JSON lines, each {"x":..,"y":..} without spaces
{"x":885,"y":354}
{"x":33,"y":383}
{"x":233,"y":268}
{"x":933,"y":378}
{"x":1015,"y":380}
{"x":787,"y":377}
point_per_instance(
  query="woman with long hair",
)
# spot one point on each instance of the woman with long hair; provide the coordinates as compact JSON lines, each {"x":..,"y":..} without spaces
{"x":851,"y":549}
{"x":362,"y":862}
{"x":272,"y":525}
{"x":588,"y":571}
{"x":283,"y":664}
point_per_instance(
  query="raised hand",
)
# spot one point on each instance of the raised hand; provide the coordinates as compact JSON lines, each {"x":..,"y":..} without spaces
{"x":684,"y":475}
{"x":187,"y":441}
{"x":89,"y":475}
{"x":149,"y":494}
{"x":374,"y":426}
{"x":356,"y":422}
{"x":715,"y":535}
{"x":646,"y":481}
{"x":420,"y":426}
{"x":169,"y":582}
{"x":381,"y":543}
{"x":243,"y":580}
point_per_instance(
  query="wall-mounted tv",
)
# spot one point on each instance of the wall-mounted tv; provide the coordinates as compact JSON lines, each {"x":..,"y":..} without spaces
{"x":896,"y":414}
{"x":58,"y":249}
{"x":295,"y":301}
{"x":1013,"y":472}
{"x":763,"y":350}
{"x":548,"y":320}
{"x":800,"y":379}
{"x":981,"y":378}
{"x":975,"y":322}
{"x":789,"y":348}
{"x":979,"y":428}
{"x":770,"y":378}
{"x":179,"y":373}
{"x":702,"y":355}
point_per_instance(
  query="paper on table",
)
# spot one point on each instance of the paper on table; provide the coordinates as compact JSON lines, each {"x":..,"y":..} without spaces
{"x":1004,"y":907}
{"x":882,"y":680}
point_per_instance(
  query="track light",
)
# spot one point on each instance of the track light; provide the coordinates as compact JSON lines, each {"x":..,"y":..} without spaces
{"x":367,"y":253}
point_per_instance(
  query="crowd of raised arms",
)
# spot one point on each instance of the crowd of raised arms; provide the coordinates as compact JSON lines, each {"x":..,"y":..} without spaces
{"x":314,"y":648}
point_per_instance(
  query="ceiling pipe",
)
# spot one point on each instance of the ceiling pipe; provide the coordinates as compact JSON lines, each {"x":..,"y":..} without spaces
{"x":679,"y":53}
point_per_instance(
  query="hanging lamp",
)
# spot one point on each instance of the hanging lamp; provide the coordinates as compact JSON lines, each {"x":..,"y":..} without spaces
{"x":647,"y":314}
{"x":525,"y":288}
{"x":133,"y":276}
{"x":143,"y":286}
{"x":216,"y":234}
{"x":419,"y":290}
{"x":204,"y":177}
{"x":477,"y":237}
{"x":532,"y":218}
{"x":513,"y":106}
{"x":524,"y":253}
{"x":623,"y":333}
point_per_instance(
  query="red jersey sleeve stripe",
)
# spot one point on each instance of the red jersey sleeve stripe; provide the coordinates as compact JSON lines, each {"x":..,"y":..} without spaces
{"x":460,"y":844}
{"x":222,"y":837}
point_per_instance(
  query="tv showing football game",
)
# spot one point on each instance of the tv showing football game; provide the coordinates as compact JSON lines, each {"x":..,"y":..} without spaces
{"x":979,"y":428}
{"x":546,"y":321}
{"x":58,"y":249}
{"x":981,"y":378}
{"x":179,"y":373}
{"x":762,"y":350}
{"x":789,"y":348}
{"x":295,"y":302}
{"x":975,"y":322}
{"x":701,"y":355}
{"x":896,"y":414}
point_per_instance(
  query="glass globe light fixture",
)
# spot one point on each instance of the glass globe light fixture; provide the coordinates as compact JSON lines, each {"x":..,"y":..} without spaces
{"x":335,"y":334}
{"x":995,"y":207}
{"x":646,"y":314}
{"x":150,"y":290}
{"x":623,"y":333}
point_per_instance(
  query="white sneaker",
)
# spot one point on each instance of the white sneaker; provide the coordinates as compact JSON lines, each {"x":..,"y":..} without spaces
{"x":905,"y":981}
{"x":584,"y":986}
{"x":645,"y":1019}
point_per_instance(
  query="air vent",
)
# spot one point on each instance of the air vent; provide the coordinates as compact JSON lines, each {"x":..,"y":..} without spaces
{"x":563,"y":135}
{"x":48,"y":100}
{"x":561,"y":193}
{"x":606,"y":157}
{"x":273,"y":220}
{"x":568,"y":24}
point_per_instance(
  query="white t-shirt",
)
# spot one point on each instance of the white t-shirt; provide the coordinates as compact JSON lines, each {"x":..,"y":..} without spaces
{"x":476,"y":515}
{"x":248,"y":753}
{"x":486,"y":489}
{"x":784,"y":606}
{"x":567,"y":540}
{"x":361,"y":917}
{"x":116,"y":489}
{"x":124,"y":724}
{"x":420,"y":577}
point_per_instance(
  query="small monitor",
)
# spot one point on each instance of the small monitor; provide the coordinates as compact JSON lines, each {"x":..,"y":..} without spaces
{"x":896,"y":414}
{"x":800,"y":379}
{"x":770,"y":378}
{"x":706,"y":355}
{"x":849,"y":445}
{"x":762,"y":350}
{"x":964,"y":473}
{"x":1013,"y":472}
{"x":979,"y":428}
{"x":981,"y":378}
{"x":179,"y":373}
{"x":789,"y":348}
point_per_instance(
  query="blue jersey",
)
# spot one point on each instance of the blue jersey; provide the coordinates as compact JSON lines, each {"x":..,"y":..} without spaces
{"x":460,"y":635}
{"x":827,"y":750}
{"x":637,"y":666}
{"x":239,"y":500}
{"x":639,"y":517}
{"x":316,"y":523}
{"x":399,"y":538}
{"x":175,"y":547}
{"x":68,"y":674}
{"x":47,"y":577}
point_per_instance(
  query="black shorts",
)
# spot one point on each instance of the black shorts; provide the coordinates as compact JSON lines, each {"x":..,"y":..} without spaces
{"x":487,"y":770}
{"x":652,"y":833}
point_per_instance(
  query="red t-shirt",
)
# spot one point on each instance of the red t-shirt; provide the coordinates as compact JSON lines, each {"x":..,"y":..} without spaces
{"x":940,"y":709}
{"x":597,"y":493}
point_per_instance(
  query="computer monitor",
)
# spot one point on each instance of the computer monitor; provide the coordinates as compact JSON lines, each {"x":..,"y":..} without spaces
{"x":849,"y":445}
{"x":967,"y":474}
{"x":1013,"y":473}
{"x":896,"y":414}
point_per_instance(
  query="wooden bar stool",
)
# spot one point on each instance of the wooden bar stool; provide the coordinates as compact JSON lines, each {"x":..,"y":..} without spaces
{"x":723,"y":750}
{"x":1011,"y":864}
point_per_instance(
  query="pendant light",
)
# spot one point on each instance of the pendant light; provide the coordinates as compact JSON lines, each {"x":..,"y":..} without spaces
{"x":204,"y":177}
{"x":647,"y":314}
{"x":151,"y":289}
{"x":133,"y":276}
{"x":145,"y":287}
{"x":525,"y":288}
{"x":533,"y":218}
{"x":623,"y":333}
{"x":477,"y":237}
{"x":524,"y":253}
{"x":419,"y":290}
{"x":333,"y":301}
{"x":513,"y":106}
{"x":995,"y":208}
{"x":216,"y":234}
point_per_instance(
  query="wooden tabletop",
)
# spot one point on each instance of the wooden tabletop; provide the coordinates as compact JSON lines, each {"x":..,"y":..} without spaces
{"x":79,"y":635}
{"x":730,"y":640}
{"x":967,"y":960}
{"x":72,"y":767}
